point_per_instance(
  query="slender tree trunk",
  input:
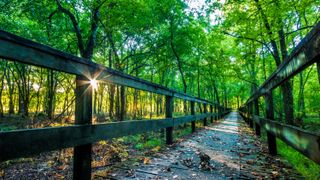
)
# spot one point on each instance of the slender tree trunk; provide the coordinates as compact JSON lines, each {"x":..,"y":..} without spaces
{"x":38,"y":91}
{"x":50,"y":93}
{"x":318,"y":70}
{"x":301,"y":104}
{"x":101,"y":98}
{"x":1,"y":90}
{"x":285,"y":87}
{"x":135,"y":103}
{"x":95,"y":99}
{"x":117,"y":103}
{"x":10,"y":90}
{"x":179,"y":62}
{"x":123,"y":103}
{"x":24,"y":89}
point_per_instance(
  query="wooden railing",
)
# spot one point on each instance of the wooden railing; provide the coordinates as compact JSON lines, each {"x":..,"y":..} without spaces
{"x":26,"y":142}
{"x":303,"y":56}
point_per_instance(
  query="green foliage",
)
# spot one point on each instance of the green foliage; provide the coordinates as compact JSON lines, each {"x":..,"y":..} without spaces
{"x":7,"y":128}
{"x":215,"y":50}
{"x":303,"y":165}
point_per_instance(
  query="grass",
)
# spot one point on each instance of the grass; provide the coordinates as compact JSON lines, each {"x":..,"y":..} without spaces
{"x":154,"y":140}
{"x":302,"y":164}
{"x":4,"y":128}
{"x":312,"y":124}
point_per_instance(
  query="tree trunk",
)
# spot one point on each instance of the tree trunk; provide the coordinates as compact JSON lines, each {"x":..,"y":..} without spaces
{"x":101,"y":98}
{"x":301,"y":104}
{"x":135,"y":103}
{"x":50,"y":93}
{"x":95,"y":98}
{"x":117,"y":103}
{"x":24,"y":89}
{"x":285,"y":87}
{"x":1,"y":90}
{"x":10,"y":90}
{"x":179,"y":64}
{"x":318,"y":70}
{"x":123,"y":103}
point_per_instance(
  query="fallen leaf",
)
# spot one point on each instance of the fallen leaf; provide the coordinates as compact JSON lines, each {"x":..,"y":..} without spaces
{"x":50,"y":163}
{"x":146,"y":160}
{"x":62,"y":167}
{"x":156,"y":149}
{"x":59,"y":176}
{"x":275,"y":173}
{"x":1,"y":173}
{"x":250,"y":161}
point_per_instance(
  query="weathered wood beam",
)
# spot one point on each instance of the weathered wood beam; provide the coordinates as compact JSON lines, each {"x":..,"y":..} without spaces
{"x":303,"y":141}
{"x":22,"y":50}
{"x":21,"y":143}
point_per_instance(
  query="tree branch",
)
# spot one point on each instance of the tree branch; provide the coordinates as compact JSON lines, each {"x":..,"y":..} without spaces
{"x":249,"y":38}
{"x":75,"y":26}
{"x":297,"y":30}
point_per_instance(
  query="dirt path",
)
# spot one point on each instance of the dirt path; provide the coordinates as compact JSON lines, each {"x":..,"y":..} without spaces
{"x":227,"y":149}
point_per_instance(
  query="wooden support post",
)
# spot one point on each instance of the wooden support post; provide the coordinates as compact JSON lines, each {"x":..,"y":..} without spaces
{"x":215,"y":112}
{"x":272,"y":143}
{"x":83,"y":115}
{"x":211,"y":111}
{"x":251,"y":113}
{"x":256,"y":112}
{"x":248,"y":114}
{"x":205,"y":111}
{"x":193,"y":123}
{"x":169,"y":111}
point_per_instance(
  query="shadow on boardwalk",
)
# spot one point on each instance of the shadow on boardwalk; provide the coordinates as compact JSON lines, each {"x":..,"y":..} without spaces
{"x":227,"y":149}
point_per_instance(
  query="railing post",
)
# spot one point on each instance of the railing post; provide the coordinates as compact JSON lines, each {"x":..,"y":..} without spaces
{"x":83,"y":115}
{"x":248,"y":114}
{"x":215,"y":112}
{"x":251,"y":113}
{"x":169,"y":111}
{"x":272,"y":143}
{"x":245,"y":113}
{"x":256,"y":112}
{"x":193,"y":123}
{"x":211,"y":111}
{"x":205,"y":112}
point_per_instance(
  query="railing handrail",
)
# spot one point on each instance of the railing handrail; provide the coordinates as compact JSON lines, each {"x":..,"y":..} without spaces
{"x":304,"y":55}
{"x":301,"y":140}
{"x":61,"y":61}
{"x":34,"y":141}
{"x":312,"y":39}
{"x":25,"y":142}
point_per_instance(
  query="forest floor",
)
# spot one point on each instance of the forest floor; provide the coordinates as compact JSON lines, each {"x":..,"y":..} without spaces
{"x":227,"y":149}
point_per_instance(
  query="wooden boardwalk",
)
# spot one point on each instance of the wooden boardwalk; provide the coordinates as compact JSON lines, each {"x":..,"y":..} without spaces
{"x":226,"y":149}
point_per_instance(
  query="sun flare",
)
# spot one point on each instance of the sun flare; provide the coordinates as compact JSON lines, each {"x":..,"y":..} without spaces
{"x":94,"y":83}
